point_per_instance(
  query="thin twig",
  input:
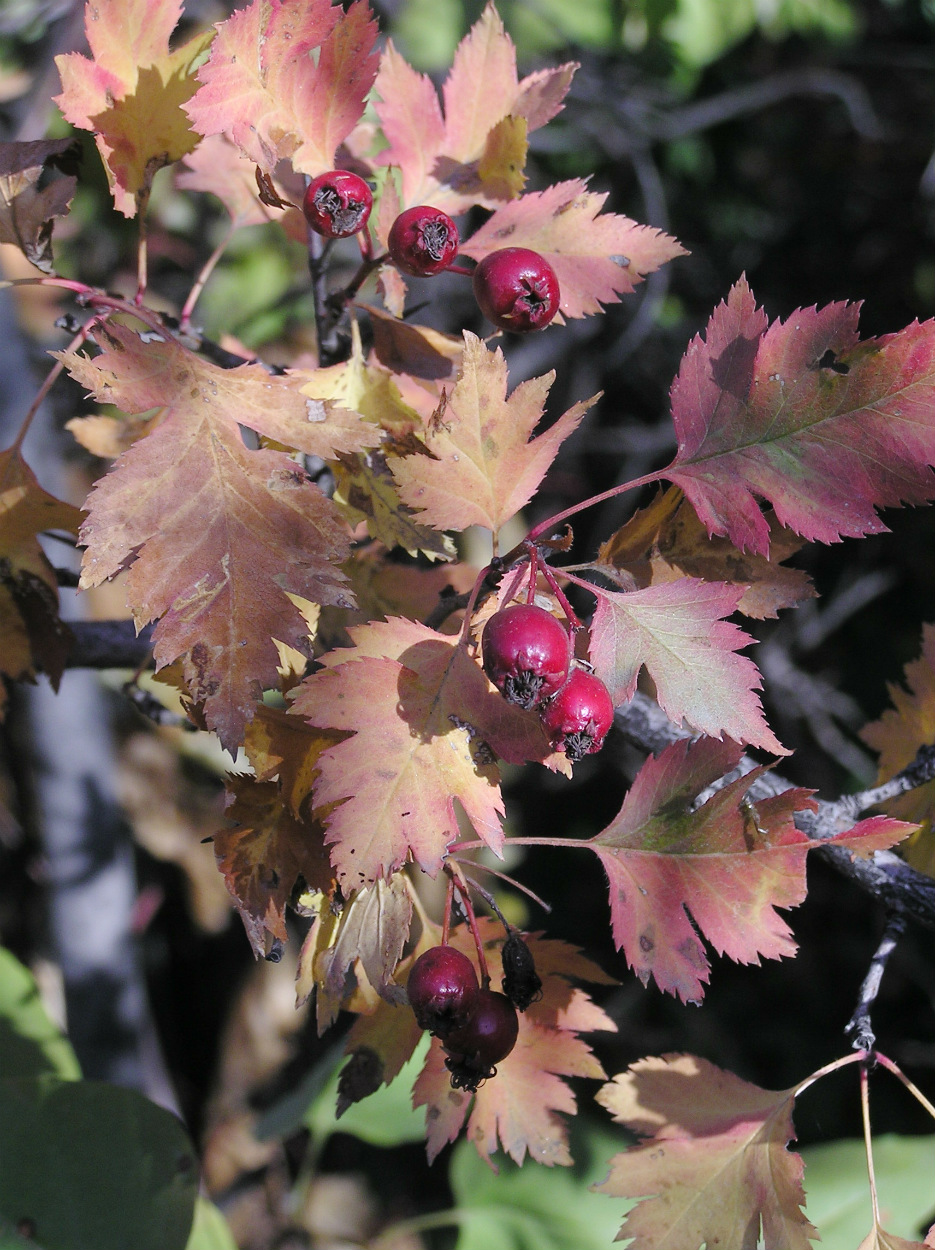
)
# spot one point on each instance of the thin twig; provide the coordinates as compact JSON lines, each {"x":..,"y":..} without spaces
{"x":859,"y":1027}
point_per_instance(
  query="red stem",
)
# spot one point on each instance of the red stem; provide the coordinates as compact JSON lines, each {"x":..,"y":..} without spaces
{"x":468,"y":906}
{"x":446,"y":922}
{"x":544,"y":527}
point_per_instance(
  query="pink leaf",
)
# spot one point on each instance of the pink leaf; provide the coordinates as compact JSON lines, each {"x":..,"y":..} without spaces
{"x":803,"y":414}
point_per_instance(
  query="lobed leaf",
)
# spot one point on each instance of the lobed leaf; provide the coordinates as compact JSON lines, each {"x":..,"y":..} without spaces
{"x":427,"y":727}
{"x":802,"y":413}
{"x":519,"y":1110}
{"x":720,"y":869}
{"x":215,"y":537}
{"x":131,"y":91}
{"x":482,"y":467}
{"x":677,"y":630}
{"x":714,"y":1158}
{"x":596,"y":258}
{"x":263,"y":87}
{"x":26,"y":211}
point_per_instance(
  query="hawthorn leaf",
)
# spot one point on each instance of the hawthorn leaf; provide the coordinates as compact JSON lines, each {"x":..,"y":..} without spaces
{"x":130,"y":92}
{"x":427,"y":727}
{"x":366,"y":490}
{"x":383,"y":588}
{"x":263,"y":854}
{"x":215,"y":537}
{"x":520,"y":1109}
{"x":371,"y":928}
{"x":678,"y":631}
{"x":875,"y":833}
{"x":802,"y":413}
{"x":721,"y":869}
{"x":898,"y":734}
{"x":439,"y":155}
{"x":483,"y":468}
{"x":32,"y":635}
{"x":413,"y":349}
{"x":596,"y":257}
{"x":714,"y":1155}
{"x":879,"y":1239}
{"x":218,"y":167}
{"x":665,"y":542}
{"x":263,"y":87}
{"x":501,"y":167}
{"x":26,"y":212}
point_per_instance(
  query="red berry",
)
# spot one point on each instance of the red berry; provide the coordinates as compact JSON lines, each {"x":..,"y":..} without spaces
{"x":337,"y":204}
{"x":516,"y":289}
{"x":526,"y":653}
{"x":578,"y":718}
{"x":423,"y":241}
{"x":489,"y":1036}
{"x":442,"y":989}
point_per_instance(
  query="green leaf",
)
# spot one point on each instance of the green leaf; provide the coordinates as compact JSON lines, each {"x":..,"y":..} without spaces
{"x":30,"y":1044}
{"x":838,"y":1194}
{"x":91,"y":1165}
{"x":210,"y":1230}
{"x":535,"y":1207}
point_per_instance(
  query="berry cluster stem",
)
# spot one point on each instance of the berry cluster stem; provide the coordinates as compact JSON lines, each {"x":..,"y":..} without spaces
{"x":458,"y":883}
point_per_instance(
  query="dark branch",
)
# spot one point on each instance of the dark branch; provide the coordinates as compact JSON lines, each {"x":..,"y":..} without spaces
{"x":109,"y":644}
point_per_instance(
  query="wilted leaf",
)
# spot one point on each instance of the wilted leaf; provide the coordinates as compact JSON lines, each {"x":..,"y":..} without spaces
{"x":216,"y":537}
{"x":130,"y":92}
{"x":897,"y":736}
{"x":262,"y":856}
{"x":32,"y":636}
{"x":427,"y":728}
{"x":666,"y":541}
{"x":372,"y":927}
{"x":805,"y":415}
{"x":678,"y":631}
{"x":26,"y":212}
{"x":595,"y":258}
{"x":483,"y":468}
{"x":517,"y":1109}
{"x":714,"y":1156}
{"x":263,"y":87}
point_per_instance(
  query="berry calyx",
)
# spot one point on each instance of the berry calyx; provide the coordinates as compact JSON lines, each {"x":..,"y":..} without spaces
{"x":337,"y":204}
{"x":423,"y":241}
{"x":526,"y":652}
{"x":577,"y":719}
{"x":489,"y":1036}
{"x":442,"y":990}
{"x":516,"y":289}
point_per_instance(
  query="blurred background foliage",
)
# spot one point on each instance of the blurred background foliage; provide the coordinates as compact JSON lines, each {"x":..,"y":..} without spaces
{"x":793,"y":140}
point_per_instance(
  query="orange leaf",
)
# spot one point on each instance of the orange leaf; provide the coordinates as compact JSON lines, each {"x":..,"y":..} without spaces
{"x":130,"y":93}
{"x":483,"y":467}
{"x":427,"y":726}
{"x":596,"y":258}
{"x":216,"y":537}
{"x":264,"y":89}
{"x":715,"y":1156}
{"x":516,"y":1109}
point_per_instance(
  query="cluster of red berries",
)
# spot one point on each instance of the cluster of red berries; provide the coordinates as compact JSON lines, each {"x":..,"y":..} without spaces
{"x":515,"y":287}
{"x":477,"y":1026}
{"x":527,"y":654}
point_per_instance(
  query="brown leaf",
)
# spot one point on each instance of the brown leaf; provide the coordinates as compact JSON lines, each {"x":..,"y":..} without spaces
{"x":31,"y":633}
{"x":665,"y":541}
{"x":26,"y":212}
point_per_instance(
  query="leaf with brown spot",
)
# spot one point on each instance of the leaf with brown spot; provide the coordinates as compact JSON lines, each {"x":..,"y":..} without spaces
{"x":215,"y":537}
